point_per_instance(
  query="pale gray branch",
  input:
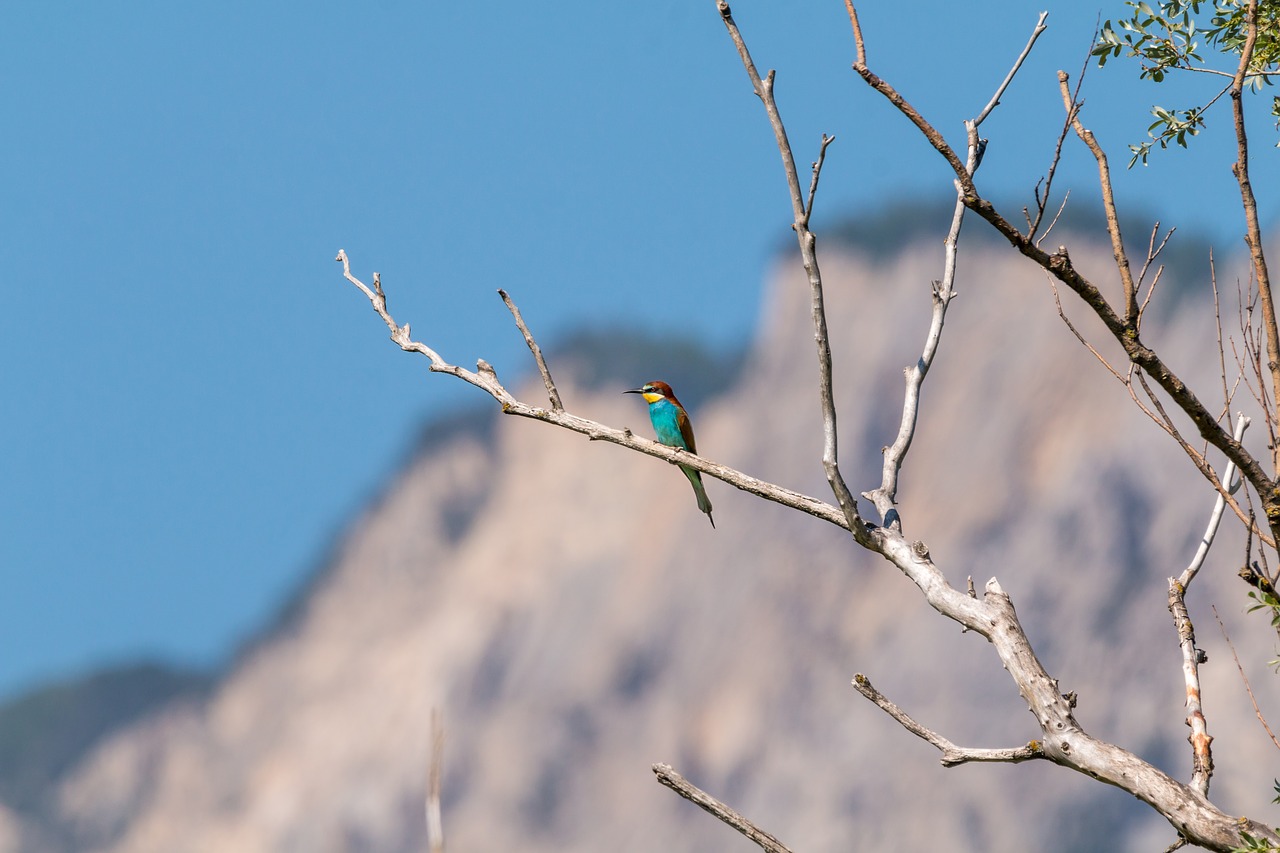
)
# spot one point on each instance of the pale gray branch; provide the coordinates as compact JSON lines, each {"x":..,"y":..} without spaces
{"x":682,"y":786}
{"x":1231,"y":484}
{"x":552,"y":394}
{"x":486,"y":379}
{"x":885,"y":497}
{"x":809,"y":255}
{"x":951,"y":754}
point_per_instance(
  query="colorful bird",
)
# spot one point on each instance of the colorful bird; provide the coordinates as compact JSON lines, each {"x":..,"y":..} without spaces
{"x":674,"y":430}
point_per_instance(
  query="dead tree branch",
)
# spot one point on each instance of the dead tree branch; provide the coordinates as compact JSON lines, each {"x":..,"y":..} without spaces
{"x":809,"y":255}
{"x":486,"y":379}
{"x":952,"y":755}
{"x":552,"y":394}
{"x":700,"y":798}
{"x":886,"y":496}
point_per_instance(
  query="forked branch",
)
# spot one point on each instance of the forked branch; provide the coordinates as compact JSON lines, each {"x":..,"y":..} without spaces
{"x":486,"y":379}
{"x":952,"y":755}
{"x":809,"y":255}
{"x":886,"y":496}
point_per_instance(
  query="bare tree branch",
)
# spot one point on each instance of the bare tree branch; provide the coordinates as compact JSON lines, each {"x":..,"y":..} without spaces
{"x":886,"y":496}
{"x":552,"y":394}
{"x":682,"y":786}
{"x":808,"y":253}
{"x":1253,"y":232}
{"x":817,"y":171}
{"x":1108,"y":205}
{"x":487,"y":380}
{"x":952,"y":755}
{"x":1231,"y":481}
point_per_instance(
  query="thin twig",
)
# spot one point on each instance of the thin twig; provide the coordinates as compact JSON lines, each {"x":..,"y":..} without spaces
{"x":858,"y":44}
{"x":1042,"y":201}
{"x":952,"y":755}
{"x":1231,"y":479}
{"x":700,"y":798}
{"x":1079,"y":336}
{"x":435,"y":823}
{"x":1108,"y":204}
{"x":1153,"y":252}
{"x":1244,"y":678}
{"x":817,"y":170}
{"x":1017,"y":64}
{"x":552,"y":394}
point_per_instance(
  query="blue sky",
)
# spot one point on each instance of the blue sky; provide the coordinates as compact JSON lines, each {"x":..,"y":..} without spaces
{"x":194,"y":399}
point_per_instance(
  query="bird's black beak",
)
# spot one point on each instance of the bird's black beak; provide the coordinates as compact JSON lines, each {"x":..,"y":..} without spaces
{"x":634,"y":391}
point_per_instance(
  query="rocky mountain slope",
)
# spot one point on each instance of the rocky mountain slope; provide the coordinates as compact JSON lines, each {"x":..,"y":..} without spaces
{"x":576,"y":619}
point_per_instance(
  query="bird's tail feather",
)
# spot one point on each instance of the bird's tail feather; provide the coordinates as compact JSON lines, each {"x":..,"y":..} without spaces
{"x":704,"y":503}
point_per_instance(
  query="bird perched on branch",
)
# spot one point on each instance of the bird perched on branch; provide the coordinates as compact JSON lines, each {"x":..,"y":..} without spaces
{"x":674,"y":430}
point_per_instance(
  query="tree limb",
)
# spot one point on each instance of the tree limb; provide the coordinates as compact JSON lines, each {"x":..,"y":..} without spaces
{"x":885,"y":497}
{"x":682,"y":786}
{"x":552,"y":394}
{"x":1192,"y":657}
{"x":486,"y":379}
{"x":952,"y":755}
{"x":809,"y":255}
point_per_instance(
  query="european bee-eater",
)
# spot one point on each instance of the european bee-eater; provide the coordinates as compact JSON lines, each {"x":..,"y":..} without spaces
{"x":674,"y":430}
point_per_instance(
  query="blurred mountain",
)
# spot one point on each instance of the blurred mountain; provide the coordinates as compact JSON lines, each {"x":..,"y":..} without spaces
{"x":575,"y":619}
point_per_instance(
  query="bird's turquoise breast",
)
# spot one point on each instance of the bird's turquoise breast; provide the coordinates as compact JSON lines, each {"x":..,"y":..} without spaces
{"x":666,"y":423}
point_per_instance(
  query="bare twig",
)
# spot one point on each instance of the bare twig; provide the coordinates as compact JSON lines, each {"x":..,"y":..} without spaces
{"x":809,"y":255}
{"x":1042,"y":200}
{"x":1017,"y":64}
{"x":859,"y":45}
{"x":682,"y":786}
{"x":1153,"y":252}
{"x":1244,"y":678}
{"x":817,"y":171}
{"x":1108,"y":204}
{"x":435,"y":823}
{"x":1231,"y":480}
{"x":552,"y":394}
{"x":952,"y":755}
